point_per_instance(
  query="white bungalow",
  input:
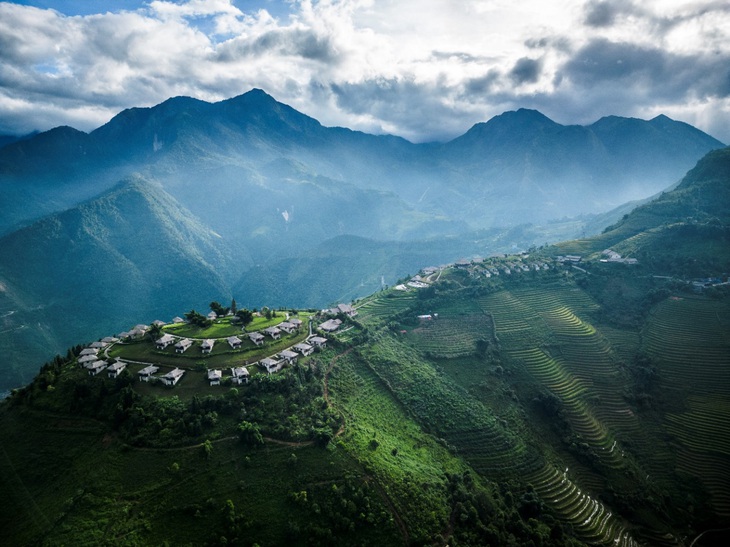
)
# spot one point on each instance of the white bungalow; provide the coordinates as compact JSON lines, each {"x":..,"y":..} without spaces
{"x":304,"y":349}
{"x":330,"y":325}
{"x":109,"y":340}
{"x":234,"y":342}
{"x":164,"y":341}
{"x":96,"y":367}
{"x":98,"y":345}
{"x":271,"y":365}
{"x":295,"y":321}
{"x":178,"y":319}
{"x":183,"y":345}
{"x":287,"y":327}
{"x":138,"y":332}
{"x":116,"y":368}
{"x":86,"y":359}
{"x":207,"y":345}
{"x":158,"y":323}
{"x":214,"y":377}
{"x":88,"y":351}
{"x":347,"y":309}
{"x":289,"y":356}
{"x":172,"y":377}
{"x":274,"y":332}
{"x":146,"y":373}
{"x":256,"y":337}
{"x":239,"y":375}
{"x":212,"y":316}
{"x":318,"y":341}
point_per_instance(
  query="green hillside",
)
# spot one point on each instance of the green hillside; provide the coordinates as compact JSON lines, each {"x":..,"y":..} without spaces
{"x":531,"y":399}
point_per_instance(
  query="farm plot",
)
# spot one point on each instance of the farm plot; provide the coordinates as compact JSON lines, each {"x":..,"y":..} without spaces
{"x":383,"y":305}
{"x":451,"y":334}
{"x":592,"y":521}
{"x":689,"y":340}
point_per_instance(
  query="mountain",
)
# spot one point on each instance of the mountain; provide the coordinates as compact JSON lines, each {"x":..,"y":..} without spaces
{"x":278,"y":189}
{"x":551,"y":402}
{"x":102,"y":266}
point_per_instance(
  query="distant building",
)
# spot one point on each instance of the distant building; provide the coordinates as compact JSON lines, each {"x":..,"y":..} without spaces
{"x":116,"y":368}
{"x":274,"y":332}
{"x":304,"y":349}
{"x":318,"y":341}
{"x":172,"y":377}
{"x":214,"y":377}
{"x":207,"y":345}
{"x":164,"y":341}
{"x":256,"y":337}
{"x":234,"y":342}
{"x":271,"y":365}
{"x":331,"y":325}
{"x":183,"y":345}
{"x":239,"y":375}
{"x":146,"y":373}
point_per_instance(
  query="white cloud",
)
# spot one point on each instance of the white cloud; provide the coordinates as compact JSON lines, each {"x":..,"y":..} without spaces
{"x":423,"y":69}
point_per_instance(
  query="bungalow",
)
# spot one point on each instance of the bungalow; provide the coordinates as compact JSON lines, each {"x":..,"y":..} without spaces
{"x":207,"y":345}
{"x":178,"y":319}
{"x":138,"y":332}
{"x":239,"y":375}
{"x":172,"y":377}
{"x":183,"y":345}
{"x":116,"y":368}
{"x":463,"y":263}
{"x":234,"y":342}
{"x":109,"y":340}
{"x":164,"y":341}
{"x":271,"y":365}
{"x":330,"y":325}
{"x":98,"y":345}
{"x":304,"y":349}
{"x":158,"y":323}
{"x":274,"y":332}
{"x":214,"y":377}
{"x":212,"y":316}
{"x":347,"y":309}
{"x":88,"y":351}
{"x":96,"y":367}
{"x":256,"y":337}
{"x":287,"y":327}
{"x":123,"y":335}
{"x":146,"y":373}
{"x":294,"y":321}
{"x":318,"y":341}
{"x":289,"y":356}
{"x":86,"y":359}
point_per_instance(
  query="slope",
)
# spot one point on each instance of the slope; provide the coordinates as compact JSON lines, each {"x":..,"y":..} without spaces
{"x":130,"y":254}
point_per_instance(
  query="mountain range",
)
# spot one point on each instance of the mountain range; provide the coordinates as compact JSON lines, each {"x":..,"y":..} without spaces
{"x":166,"y":208}
{"x":575,"y":394}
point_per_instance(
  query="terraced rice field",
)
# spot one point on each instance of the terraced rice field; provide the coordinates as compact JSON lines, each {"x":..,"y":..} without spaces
{"x":689,"y":340}
{"x":592,"y":521}
{"x":385,"y":305}
{"x":451,"y":336}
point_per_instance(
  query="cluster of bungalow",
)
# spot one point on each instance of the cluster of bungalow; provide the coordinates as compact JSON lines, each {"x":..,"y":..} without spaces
{"x":613,"y":256}
{"x":89,"y":359}
{"x":289,"y":357}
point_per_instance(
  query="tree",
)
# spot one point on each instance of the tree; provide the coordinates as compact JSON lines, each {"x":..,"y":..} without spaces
{"x":249,"y":433}
{"x":245,"y":316}
{"x":234,"y":308}
{"x":155,"y":331}
{"x":218,"y":309}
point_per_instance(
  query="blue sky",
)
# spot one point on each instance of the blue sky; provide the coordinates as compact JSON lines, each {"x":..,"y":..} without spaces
{"x":422,"y":69}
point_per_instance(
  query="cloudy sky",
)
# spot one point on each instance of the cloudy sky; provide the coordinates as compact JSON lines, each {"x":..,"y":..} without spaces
{"x":422,"y":69}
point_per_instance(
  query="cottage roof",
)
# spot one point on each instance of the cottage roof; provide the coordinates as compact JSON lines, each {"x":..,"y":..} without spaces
{"x":215,"y":374}
{"x":238,"y":372}
{"x":165,"y":339}
{"x":288,"y":354}
{"x":303,"y":347}
{"x":233,"y":340}
{"x":89,"y":351}
{"x":174,"y":373}
{"x":208,"y":344}
{"x":255,"y":336}
{"x":151,"y":369}
{"x":117,"y":366}
{"x":317,"y":340}
{"x":184,"y":343}
{"x":272,"y":330}
{"x":178,"y":319}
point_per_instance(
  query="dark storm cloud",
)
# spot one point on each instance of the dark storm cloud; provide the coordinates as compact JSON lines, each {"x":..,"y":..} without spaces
{"x":602,"y":13}
{"x":526,"y":71}
{"x":640,"y":69}
{"x":294,"y":42}
{"x":418,"y":108}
